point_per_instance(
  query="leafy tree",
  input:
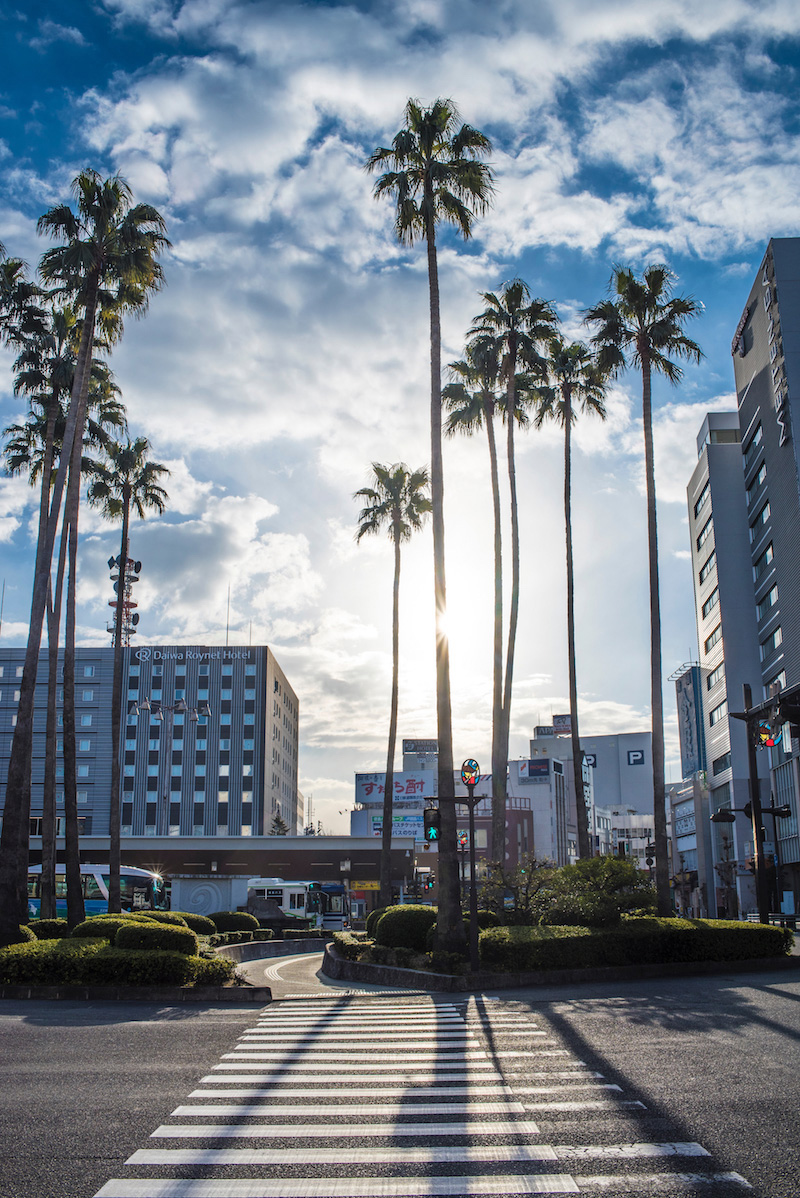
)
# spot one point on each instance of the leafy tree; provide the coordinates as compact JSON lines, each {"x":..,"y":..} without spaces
{"x":641,"y":326}
{"x":576,"y":385}
{"x":433,"y":171}
{"x":518,"y":895}
{"x":596,"y":892}
{"x":397,"y":502}
{"x":512,"y":326}
{"x":127,"y":479}
{"x":106,"y":266}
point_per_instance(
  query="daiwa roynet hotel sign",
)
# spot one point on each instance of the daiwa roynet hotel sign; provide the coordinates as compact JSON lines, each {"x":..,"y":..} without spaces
{"x":152,"y":653}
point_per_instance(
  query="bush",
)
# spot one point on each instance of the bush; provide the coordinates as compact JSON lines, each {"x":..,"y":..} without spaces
{"x":596,"y":892}
{"x":233,"y":921}
{"x":633,"y":942}
{"x":486,"y":919}
{"x":351,"y":945}
{"x":154,"y":936}
{"x":302,"y":933}
{"x":264,"y":934}
{"x":93,"y":962}
{"x":23,"y":936}
{"x":170,"y":917}
{"x":219,"y":939}
{"x":372,"y":921}
{"x":198,"y":923}
{"x":405,"y":926}
{"x":106,"y":926}
{"x":443,"y":962}
{"x":49,"y":929}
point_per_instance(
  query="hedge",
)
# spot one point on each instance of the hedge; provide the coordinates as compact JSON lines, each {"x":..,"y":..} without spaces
{"x":49,"y":929}
{"x":198,"y":923}
{"x":76,"y":962}
{"x":170,"y":917}
{"x":372,"y":921}
{"x":106,"y":926}
{"x":405,"y":926}
{"x":302,"y":933}
{"x":633,"y":942}
{"x":221,"y":938}
{"x":154,"y":936}
{"x":233,"y":921}
{"x":349,"y":945}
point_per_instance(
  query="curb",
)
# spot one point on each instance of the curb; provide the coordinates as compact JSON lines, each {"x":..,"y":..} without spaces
{"x":258,"y":950}
{"x":335,"y":966}
{"x":157,"y":994}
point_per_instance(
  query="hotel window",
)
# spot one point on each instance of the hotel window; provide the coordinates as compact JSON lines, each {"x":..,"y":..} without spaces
{"x":760,"y":521}
{"x":227,"y":671}
{"x":771,"y":643}
{"x":767,"y":603}
{"x":702,"y":499}
{"x":757,"y":481}
{"x":84,"y":746}
{"x":86,"y":720}
{"x":705,"y":532}
{"x":779,"y":680}
{"x":763,"y":562}
{"x":83,"y":771}
{"x":88,"y":671}
{"x":226,"y":693}
{"x":720,"y":764}
{"x":715,"y":676}
{"x":88,"y":696}
{"x":752,"y":446}
{"x":718,"y":713}
{"x":713,"y":638}
{"x":19,"y":671}
{"x":708,"y":565}
{"x":249,"y":671}
{"x":711,"y":602}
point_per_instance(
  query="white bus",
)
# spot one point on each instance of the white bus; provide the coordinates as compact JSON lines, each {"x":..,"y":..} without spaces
{"x":326,"y":904}
{"x":140,"y":890}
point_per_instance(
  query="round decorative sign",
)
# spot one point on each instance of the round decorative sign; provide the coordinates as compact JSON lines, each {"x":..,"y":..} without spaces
{"x":470,"y":772}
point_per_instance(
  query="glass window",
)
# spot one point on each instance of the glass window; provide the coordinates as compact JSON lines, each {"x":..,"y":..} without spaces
{"x":19,"y":671}
{"x":716,"y":676}
{"x":771,"y":643}
{"x":249,"y":671}
{"x":227,"y":671}
{"x":88,"y":671}
{"x":83,"y":796}
{"x":248,"y":744}
{"x":88,"y":696}
{"x":249,"y":717}
{"x":226,"y":693}
{"x":711,"y":602}
{"x":702,"y":498}
{"x":708,"y":565}
{"x":763,"y":562}
{"x":713,"y":638}
{"x":86,"y":720}
{"x":718,"y":713}
{"x":152,"y":771}
{"x":84,"y":746}
{"x":705,"y":532}
{"x":83,"y":771}
{"x":768,"y":602}
{"x":720,"y":764}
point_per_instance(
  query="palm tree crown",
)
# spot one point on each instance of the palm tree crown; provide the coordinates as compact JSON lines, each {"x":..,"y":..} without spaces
{"x":434,"y":171}
{"x":128,"y":477}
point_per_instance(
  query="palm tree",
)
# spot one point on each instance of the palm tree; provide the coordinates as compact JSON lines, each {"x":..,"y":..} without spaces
{"x":33,"y":448}
{"x":107,"y":266}
{"x":434,"y":173}
{"x":640,"y":326}
{"x":472,"y":400}
{"x":576,"y":385}
{"x":396,"y":501}
{"x":128,"y":479}
{"x":514,"y":325}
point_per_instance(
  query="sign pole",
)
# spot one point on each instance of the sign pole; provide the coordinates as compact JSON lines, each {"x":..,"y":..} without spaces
{"x":470,"y":773}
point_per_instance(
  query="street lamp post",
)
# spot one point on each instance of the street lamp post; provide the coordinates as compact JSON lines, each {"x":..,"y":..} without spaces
{"x":165,"y":714}
{"x":470,"y":772}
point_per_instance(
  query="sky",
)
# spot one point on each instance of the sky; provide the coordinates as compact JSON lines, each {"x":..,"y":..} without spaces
{"x":289,"y":347}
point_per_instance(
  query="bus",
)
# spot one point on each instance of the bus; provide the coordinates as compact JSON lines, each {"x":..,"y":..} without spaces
{"x":326,"y":904}
{"x":140,"y":890}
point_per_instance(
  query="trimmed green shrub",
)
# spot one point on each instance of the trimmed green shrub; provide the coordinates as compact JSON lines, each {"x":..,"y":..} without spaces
{"x":219,"y":939}
{"x":233,"y":921}
{"x":595,"y":893}
{"x":23,"y":936}
{"x":302,"y":933}
{"x":49,"y":929}
{"x":85,"y":962}
{"x":106,"y":926}
{"x":198,"y":923}
{"x":372,"y":921}
{"x":170,"y":917}
{"x":444,"y":962}
{"x":163,"y":937}
{"x":405,"y":926}
{"x":486,"y":919}
{"x":350,"y":945}
{"x":633,"y":942}
{"x":264,"y":934}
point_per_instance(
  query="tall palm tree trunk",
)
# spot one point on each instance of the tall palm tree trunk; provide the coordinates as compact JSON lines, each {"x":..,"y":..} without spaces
{"x":513,"y":613}
{"x":451,"y":935}
{"x":16,"y":813}
{"x":388,"y":790}
{"x":114,"y":821}
{"x":498,"y":790}
{"x":75,"y":907}
{"x":656,"y":692}
{"x":584,"y":843}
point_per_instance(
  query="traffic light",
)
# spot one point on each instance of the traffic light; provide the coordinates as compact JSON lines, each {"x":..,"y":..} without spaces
{"x":430,"y":881}
{"x":431,"y":824}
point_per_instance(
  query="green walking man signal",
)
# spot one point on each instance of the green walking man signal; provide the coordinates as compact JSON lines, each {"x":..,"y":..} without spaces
{"x":431,"y":824}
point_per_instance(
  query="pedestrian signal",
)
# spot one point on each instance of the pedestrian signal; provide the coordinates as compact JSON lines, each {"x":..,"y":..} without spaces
{"x":431,"y":824}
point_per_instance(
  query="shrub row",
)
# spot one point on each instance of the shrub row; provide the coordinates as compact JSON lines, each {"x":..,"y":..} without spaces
{"x":234,"y":921}
{"x":198,"y":923}
{"x":154,"y":937}
{"x":302,"y":933}
{"x":94,"y":962}
{"x":49,"y":929}
{"x":633,"y":942}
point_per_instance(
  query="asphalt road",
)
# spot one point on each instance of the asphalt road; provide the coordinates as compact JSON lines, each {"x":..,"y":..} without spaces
{"x":715,"y":1062}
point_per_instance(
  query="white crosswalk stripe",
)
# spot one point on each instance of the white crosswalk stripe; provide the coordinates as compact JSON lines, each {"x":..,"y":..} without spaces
{"x":416,"y":1099}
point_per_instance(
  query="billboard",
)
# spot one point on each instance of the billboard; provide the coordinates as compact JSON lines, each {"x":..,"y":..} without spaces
{"x":536,"y":770}
{"x":562,"y":725}
{"x":691,"y":731}
{"x":402,"y":825}
{"x":420,"y":746}
{"x":420,"y":784}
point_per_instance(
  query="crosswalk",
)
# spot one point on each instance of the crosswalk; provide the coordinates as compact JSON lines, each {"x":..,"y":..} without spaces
{"x":410,"y":1097}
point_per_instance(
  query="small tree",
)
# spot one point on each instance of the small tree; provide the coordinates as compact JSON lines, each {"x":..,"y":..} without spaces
{"x":518,"y":895}
{"x":279,"y":826}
